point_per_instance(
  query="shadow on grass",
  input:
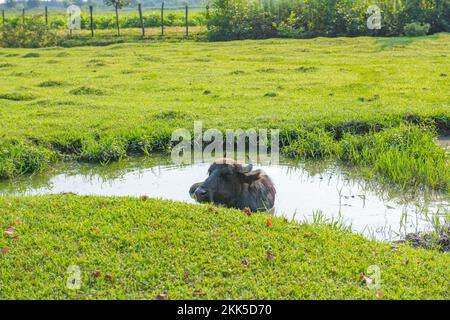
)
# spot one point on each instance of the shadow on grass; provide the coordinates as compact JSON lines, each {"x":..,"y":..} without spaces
{"x":401,"y":42}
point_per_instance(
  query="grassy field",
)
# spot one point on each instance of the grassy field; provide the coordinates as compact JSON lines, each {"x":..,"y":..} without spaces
{"x":373,"y":103}
{"x":143,"y":248}
{"x":102,"y":103}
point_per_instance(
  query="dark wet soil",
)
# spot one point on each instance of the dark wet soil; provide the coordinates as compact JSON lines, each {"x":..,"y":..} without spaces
{"x":440,"y":240}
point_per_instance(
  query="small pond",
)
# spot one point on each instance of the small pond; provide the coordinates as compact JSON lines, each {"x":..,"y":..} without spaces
{"x":304,"y":192}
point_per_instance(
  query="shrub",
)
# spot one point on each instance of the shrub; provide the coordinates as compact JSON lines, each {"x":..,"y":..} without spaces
{"x":416,"y":29}
{"x":34,"y":34}
{"x":289,"y":27}
{"x":239,"y":19}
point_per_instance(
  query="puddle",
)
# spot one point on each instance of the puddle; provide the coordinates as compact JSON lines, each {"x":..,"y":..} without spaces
{"x":444,"y":142}
{"x":302,"y":192}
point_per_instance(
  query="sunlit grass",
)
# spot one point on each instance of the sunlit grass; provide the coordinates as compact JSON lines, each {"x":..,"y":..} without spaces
{"x":148,"y":247}
{"x":127,"y":98}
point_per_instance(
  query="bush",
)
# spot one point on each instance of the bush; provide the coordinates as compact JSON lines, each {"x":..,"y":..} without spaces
{"x":289,"y":27}
{"x":416,"y":29}
{"x":240,"y":19}
{"x":34,"y":34}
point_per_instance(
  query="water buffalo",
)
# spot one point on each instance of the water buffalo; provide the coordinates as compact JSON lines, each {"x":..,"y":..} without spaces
{"x":233,"y":185}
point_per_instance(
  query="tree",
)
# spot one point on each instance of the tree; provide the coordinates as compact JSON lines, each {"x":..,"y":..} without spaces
{"x":118,"y":4}
{"x":32,"y":4}
{"x":10,"y":4}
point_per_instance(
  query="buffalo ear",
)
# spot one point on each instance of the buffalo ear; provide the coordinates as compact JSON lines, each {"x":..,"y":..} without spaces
{"x":245,"y":169}
{"x":252,"y":176}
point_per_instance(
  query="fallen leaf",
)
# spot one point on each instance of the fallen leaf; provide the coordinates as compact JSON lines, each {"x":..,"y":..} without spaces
{"x":5,"y":250}
{"x":406,"y":261}
{"x":245,"y":263}
{"x":161,"y":296}
{"x":269,"y":222}
{"x":270,"y":255}
{"x":364,"y":278}
{"x":17,"y":221}
{"x":96,"y":274}
{"x":213,"y":210}
{"x":199,"y":293}
{"x":247,"y":211}
{"x":10,"y":230}
{"x":379,"y":294}
{"x":108,"y":276}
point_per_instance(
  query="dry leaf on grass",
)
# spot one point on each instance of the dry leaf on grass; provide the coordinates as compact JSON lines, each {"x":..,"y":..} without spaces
{"x":270,"y":255}
{"x":364,"y":278}
{"x":269,"y":222}
{"x":247,"y":211}
{"x":161,"y":296}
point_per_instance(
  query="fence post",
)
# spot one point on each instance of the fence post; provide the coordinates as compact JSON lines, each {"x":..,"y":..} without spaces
{"x":162,"y":18}
{"x":23,"y":16}
{"x":187,"y":25}
{"x":46,"y":16}
{"x":3,"y":17}
{"x":140,"y":18}
{"x":91,"y":8}
{"x":207,"y":12}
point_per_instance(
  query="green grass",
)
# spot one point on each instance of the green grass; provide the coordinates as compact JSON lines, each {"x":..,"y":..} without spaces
{"x":121,"y":99}
{"x":151,"y":246}
{"x":407,"y":155}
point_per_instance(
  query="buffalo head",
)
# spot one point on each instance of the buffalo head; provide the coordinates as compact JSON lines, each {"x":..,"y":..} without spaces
{"x":232,"y":184}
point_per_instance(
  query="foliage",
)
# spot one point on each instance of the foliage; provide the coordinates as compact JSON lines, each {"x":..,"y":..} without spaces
{"x":119,"y":4}
{"x":20,"y":158}
{"x":33,"y":34}
{"x":235,"y":19}
{"x":104,"y":21}
{"x":407,"y":155}
{"x":416,"y":29}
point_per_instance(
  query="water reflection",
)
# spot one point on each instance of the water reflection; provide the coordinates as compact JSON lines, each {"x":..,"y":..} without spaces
{"x":303,"y":190}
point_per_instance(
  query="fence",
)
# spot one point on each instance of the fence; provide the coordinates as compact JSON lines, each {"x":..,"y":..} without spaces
{"x":89,"y":20}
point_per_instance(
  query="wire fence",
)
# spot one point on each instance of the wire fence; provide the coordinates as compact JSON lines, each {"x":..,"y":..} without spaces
{"x":93,"y":19}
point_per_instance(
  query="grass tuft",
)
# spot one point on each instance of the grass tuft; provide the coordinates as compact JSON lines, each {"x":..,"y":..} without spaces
{"x":87,"y":91}
{"x":16,"y":96}
{"x":50,"y":83}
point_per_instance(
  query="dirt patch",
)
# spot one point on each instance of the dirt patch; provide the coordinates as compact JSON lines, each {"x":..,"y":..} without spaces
{"x":439,"y":241}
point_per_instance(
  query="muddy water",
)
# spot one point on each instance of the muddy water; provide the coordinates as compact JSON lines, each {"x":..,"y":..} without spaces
{"x":444,"y":142}
{"x":304,"y":192}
